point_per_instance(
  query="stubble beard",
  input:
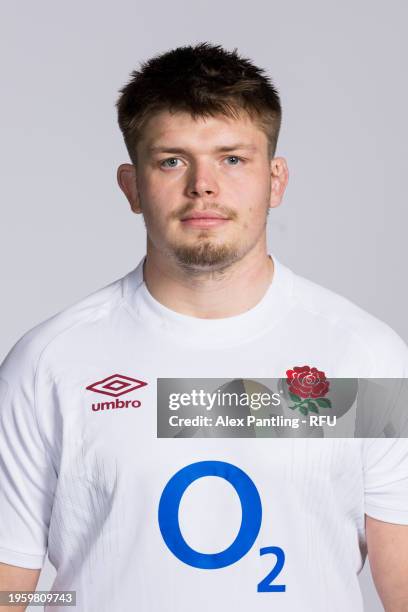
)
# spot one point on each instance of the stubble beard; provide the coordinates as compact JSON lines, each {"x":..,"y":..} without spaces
{"x":205,"y":255}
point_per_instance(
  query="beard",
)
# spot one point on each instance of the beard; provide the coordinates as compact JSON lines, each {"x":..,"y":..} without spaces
{"x":206,"y":254}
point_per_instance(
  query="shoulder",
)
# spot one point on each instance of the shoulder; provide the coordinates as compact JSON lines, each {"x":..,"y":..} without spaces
{"x":383,"y":346}
{"x":24,"y":356}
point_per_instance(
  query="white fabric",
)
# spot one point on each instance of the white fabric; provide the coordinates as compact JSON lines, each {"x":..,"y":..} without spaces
{"x":86,"y":485}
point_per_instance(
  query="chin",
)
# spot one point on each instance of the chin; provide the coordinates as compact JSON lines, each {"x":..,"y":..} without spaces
{"x":206,"y":254}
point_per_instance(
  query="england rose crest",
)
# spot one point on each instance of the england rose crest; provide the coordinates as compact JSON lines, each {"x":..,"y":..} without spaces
{"x":307,"y":389}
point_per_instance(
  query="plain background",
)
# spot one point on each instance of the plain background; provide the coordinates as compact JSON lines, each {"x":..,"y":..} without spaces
{"x":67,"y":230}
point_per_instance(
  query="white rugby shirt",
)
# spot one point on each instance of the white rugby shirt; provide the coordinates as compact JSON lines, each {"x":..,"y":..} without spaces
{"x":134,"y":521}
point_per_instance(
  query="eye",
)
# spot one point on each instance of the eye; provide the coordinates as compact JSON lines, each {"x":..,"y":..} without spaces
{"x":235,"y":159}
{"x":169,"y":162}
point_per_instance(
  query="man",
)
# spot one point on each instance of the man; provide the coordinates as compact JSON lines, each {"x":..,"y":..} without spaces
{"x":133,"y":518}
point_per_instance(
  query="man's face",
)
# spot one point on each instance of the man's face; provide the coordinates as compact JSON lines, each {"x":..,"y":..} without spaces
{"x":203,"y":167}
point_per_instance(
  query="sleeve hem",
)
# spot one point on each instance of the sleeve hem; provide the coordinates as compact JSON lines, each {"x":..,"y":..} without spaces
{"x":388,"y":515}
{"x":25,"y":560}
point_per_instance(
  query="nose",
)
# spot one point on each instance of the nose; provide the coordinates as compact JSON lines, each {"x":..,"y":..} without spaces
{"x":201,"y":181}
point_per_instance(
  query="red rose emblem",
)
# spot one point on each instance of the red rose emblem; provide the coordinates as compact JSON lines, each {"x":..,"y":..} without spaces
{"x":307,"y":382}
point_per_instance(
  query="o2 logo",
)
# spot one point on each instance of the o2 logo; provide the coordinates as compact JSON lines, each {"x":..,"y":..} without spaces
{"x":250,"y":525}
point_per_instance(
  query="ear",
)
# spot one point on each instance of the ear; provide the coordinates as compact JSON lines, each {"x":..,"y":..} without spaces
{"x":279,"y":180}
{"x":126,"y":176}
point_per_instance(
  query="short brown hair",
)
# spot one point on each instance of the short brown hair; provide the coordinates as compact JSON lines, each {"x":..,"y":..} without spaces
{"x":204,"y":80}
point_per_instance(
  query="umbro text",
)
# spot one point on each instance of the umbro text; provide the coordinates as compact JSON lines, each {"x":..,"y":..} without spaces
{"x":116,"y":404}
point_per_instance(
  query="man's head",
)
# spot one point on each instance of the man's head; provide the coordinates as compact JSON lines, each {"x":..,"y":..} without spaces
{"x":201,"y":126}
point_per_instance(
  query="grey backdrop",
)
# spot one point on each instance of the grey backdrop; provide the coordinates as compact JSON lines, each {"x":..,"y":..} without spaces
{"x":66,"y":228}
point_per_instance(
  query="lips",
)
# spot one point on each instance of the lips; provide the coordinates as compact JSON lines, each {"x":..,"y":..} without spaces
{"x":204,"y":220}
{"x":203,"y":215}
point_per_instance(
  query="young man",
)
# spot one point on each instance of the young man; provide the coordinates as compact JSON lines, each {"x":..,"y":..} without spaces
{"x":133,"y":518}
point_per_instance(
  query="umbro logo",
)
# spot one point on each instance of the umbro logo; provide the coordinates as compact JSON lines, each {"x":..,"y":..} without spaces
{"x":115,"y":386}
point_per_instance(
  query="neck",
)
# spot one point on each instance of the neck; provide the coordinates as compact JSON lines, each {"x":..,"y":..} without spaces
{"x":209,"y":294}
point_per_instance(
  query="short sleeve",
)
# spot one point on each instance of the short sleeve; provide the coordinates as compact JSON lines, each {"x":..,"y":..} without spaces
{"x":27,"y":476}
{"x":385,"y":459}
{"x":386,"y":479}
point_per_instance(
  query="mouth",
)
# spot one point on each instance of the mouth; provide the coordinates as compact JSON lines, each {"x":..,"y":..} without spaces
{"x":204,"y":219}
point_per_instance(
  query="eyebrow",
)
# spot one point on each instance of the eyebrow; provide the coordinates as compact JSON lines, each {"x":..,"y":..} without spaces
{"x":224,"y":149}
